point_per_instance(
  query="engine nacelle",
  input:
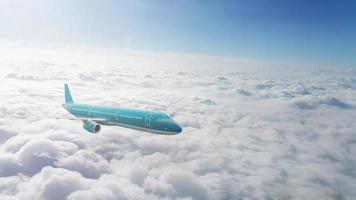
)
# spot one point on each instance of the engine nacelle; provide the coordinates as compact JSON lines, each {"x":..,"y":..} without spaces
{"x":91,"y":126}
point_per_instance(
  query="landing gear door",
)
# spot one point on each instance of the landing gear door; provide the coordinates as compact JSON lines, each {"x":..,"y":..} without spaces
{"x":148,"y":119}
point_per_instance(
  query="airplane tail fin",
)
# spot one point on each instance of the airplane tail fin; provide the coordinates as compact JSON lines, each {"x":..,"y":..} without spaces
{"x":68,"y":96}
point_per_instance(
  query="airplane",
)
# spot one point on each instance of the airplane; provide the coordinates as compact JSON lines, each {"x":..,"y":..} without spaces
{"x":94,"y":116}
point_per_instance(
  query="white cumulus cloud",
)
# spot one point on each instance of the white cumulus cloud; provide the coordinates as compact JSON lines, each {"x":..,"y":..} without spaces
{"x":246,"y":134}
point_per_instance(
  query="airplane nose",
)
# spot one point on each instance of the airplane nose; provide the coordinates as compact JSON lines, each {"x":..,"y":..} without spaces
{"x":178,"y":128}
{"x":174,"y":128}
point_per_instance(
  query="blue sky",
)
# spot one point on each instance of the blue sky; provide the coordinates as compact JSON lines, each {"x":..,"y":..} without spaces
{"x":309,"y":31}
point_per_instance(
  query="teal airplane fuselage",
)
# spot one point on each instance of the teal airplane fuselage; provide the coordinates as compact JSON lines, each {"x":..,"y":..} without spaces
{"x":144,"y":120}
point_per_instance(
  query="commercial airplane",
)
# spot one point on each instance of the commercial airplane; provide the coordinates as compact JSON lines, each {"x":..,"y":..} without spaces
{"x":95,"y":116}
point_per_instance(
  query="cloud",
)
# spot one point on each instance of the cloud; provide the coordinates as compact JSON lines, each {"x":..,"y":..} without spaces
{"x":87,"y":163}
{"x":52,"y":183}
{"x":246,"y":135}
{"x":9,"y":166}
{"x":314,"y":103}
{"x":97,"y":193}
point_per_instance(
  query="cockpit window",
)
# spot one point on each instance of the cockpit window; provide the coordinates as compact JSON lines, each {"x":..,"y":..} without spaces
{"x":165,"y":116}
{"x":164,"y":120}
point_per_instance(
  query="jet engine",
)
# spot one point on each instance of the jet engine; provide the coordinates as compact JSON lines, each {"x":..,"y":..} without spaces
{"x":91,"y":126}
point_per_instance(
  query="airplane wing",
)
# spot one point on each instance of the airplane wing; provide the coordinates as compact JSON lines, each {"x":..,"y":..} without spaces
{"x":83,"y":119}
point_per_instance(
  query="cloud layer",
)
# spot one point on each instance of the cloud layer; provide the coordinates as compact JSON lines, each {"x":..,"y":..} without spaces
{"x":246,"y":135}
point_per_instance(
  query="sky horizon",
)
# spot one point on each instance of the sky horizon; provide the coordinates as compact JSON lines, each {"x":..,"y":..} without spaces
{"x":264,"y":90}
{"x":314,"y":32}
